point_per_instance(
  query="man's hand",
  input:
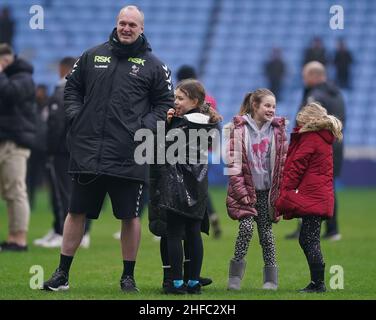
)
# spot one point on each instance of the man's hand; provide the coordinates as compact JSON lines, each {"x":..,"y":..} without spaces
{"x":170,"y":114}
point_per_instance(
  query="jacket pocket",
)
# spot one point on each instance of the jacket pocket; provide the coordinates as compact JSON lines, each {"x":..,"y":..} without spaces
{"x":287,"y":202}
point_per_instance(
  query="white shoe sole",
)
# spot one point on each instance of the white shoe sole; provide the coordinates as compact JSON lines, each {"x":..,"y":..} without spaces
{"x":60,"y":288}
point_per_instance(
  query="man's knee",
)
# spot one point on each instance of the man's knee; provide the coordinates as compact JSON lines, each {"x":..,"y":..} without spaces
{"x":131,"y":223}
{"x":76,"y":217}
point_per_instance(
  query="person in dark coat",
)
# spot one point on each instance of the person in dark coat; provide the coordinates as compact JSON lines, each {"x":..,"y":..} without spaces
{"x":17,"y":137}
{"x":328,"y":95}
{"x":7,"y":26}
{"x":307,"y":184}
{"x":36,"y":164}
{"x":180,"y":190}
{"x":342,"y":61}
{"x":114,"y":90}
{"x":275,"y":70}
{"x":58,"y":162}
{"x":315,"y":52}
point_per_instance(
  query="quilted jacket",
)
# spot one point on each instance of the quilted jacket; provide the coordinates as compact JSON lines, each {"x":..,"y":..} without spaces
{"x":241,"y":193}
{"x":307,"y":185}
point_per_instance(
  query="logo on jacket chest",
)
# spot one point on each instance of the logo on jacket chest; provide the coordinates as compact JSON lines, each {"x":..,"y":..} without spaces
{"x":103,"y":60}
{"x":137,"y":61}
{"x":134,"y":70}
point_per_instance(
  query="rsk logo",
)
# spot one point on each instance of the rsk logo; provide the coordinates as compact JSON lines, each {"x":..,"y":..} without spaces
{"x":102,"y":59}
{"x":137,"y":61}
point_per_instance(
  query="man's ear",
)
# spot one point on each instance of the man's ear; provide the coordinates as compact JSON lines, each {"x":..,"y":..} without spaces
{"x":2,"y":62}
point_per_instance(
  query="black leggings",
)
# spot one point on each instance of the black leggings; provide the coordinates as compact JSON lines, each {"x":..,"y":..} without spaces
{"x":163,"y":247}
{"x":309,"y":239}
{"x":179,"y":227}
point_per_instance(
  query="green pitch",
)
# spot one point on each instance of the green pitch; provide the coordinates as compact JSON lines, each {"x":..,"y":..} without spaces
{"x":96,"y":271}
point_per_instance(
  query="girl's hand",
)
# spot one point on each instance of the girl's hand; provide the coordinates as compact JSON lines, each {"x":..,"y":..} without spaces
{"x":170,"y":114}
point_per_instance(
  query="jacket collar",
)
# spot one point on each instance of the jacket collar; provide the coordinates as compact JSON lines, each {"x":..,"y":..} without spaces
{"x":325,"y":134}
{"x":127,"y":50}
{"x":276,"y":122}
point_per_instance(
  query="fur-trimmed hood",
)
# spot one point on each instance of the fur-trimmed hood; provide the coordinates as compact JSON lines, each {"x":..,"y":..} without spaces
{"x":316,"y":125}
{"x":322,"y":126}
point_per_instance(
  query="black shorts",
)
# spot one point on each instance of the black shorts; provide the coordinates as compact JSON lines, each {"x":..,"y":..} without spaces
{"x":89,"y":192}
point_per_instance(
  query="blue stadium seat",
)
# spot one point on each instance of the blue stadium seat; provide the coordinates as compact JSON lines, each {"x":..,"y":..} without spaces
{"x":240,"y":43}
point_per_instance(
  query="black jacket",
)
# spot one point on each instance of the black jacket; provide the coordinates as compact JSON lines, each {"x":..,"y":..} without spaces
{"x":56,"y":123}
{"x":181,"y":188}
{"x":156,"y":213}
{"x":331,"y":98}
{"x":113,"y":91}
{"x":17,"y":104}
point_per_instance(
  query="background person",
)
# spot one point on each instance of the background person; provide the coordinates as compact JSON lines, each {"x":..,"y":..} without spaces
{"x":58,"y":163}
{"x":17,"y":136}
{"x":317,"y":88}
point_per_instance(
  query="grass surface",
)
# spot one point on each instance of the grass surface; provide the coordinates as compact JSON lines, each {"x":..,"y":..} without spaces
{"x":96,"y":271}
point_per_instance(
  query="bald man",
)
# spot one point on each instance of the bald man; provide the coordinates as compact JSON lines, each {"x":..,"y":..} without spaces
{"x":317,"y":88}
{"x":113,"y":90}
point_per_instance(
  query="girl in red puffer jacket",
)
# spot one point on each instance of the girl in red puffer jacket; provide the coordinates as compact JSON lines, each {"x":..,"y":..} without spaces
{"x":258,"y":147}
{"x":307,"y":185}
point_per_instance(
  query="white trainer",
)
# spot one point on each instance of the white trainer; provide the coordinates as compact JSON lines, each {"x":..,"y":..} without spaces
{"x":41,"y":241}
{"x":335,"y":237}
{"x":85,"y":242}
{"x":54,"y":242}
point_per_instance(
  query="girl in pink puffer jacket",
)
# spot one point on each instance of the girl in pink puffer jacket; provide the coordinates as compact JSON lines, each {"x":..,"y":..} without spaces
{"x":256,"y":153}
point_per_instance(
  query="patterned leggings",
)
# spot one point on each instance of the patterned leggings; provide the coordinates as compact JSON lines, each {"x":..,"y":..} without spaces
{"x":309,"y":239}
{"x":264,"y":227}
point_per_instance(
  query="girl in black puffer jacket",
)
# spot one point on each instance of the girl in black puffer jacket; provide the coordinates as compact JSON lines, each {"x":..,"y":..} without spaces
{"x":178,"y":200}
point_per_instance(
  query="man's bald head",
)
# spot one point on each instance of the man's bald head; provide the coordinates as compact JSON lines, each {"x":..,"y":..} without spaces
{"x":130,"y":24}
{"x":314,"y":73}
{"x":134,"y":9}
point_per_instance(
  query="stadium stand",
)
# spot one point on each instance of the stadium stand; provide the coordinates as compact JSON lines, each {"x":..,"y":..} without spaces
{"x":227,"y":40}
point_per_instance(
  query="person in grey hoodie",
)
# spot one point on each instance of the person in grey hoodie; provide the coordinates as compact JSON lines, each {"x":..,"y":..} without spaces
{"x":254,"y":188}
